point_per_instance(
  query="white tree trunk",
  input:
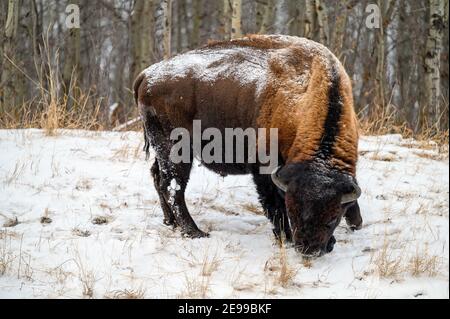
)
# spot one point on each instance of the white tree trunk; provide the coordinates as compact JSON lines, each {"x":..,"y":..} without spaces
{"x":7,"y":78}
{"x":432,"y":61}
{"x":267,"y":17}
{"x":310,"y":19}
{"x":322,"y":21}
{"x":236,"y":20}
{"x":167,"y":11}
{"x":281,"y":17}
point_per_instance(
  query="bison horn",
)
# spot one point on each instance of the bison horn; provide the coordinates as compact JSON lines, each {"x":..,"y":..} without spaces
{"x":353,"y":196}
{"x":276,"y":180}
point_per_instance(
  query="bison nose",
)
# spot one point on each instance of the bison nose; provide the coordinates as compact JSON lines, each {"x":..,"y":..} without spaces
{"x":330,"y":244}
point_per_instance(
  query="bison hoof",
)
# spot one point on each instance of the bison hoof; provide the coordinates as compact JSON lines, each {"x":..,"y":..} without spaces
{"x":170,"y":222}
{"x":195,"y":234}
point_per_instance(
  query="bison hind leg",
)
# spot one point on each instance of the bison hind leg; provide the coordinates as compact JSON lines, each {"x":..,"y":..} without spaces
{"x":169,"y":217}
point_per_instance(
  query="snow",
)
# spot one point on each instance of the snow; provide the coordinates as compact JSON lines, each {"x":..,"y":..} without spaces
{"x":247,"y":66}
{"x":211,"y":65}
{"x":89,"y":225}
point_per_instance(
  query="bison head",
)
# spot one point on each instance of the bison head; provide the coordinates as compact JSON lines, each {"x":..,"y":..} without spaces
{"x":316,"y":198}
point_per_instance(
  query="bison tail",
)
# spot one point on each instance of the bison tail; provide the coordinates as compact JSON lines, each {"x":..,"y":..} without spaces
{"x":136,"y":85}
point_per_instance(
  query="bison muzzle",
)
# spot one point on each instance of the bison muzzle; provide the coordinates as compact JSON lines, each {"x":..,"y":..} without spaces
{"x":289,"y":83}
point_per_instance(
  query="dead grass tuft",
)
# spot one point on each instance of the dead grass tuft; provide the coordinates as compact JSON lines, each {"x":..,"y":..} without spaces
{"x":196,"y":287}
{"x":6,"y":253}
{"x":11,"y":222}
{"x":279,"y":267}
{"x":387,"y":121}
{"x":387,"y":262}
{"x":81,"y":233}
{"x":253,"y":208}
{"x":126,"y":294}
{"x":101,"y":220}
{"x":424,"y":263}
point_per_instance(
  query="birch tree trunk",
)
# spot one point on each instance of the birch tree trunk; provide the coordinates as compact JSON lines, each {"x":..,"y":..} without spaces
{"x":8,"y":77}
{"x":72,"y":54}
{"x":339,"y":29}
{"x":236,"y":20}
{"x":281,"y":24}
{"x":322,"y":21}
{"x":197,"y":20}
{"x":387,"y":8}
{"x":432,"y":63}
{"x":142,"y":43}
{"x":226,"y":19}
{"x":167,"y":9}
{"x":267,"y":19}
{"x":310,"y":19}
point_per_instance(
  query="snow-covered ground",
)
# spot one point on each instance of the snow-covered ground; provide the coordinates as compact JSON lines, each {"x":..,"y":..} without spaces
{"x":89,"y":225}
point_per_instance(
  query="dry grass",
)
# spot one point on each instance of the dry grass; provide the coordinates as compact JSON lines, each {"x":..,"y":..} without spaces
{"x":388,"y":157}
{"x":424,"y":263}
{"x":85,"y":275}
{"x":11,"y":222}
{"x":387,"y":122}
{"x":101,"y":220}
{"x":287,"y":273}
{"x":196,"y":287}
{"x":253,"y":208}
{"x":210,"y":264}
{"x":14,"y":175}
{"x":53,"y":108}
{"x":6,"y":253}
{"x":279,"y":266}
{"x":387,"y":262}
{"x":393,"y":260}
{"x":431,"y":156}
{"x":126,"y":294}
{"x":81,"y":233}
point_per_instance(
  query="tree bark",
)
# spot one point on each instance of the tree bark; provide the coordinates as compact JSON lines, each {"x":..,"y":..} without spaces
{"x":72,"y":53}
{"x":226,"y":19}
{"x":167,"y":9}
{"x":267,"y":20}
{"x":310,"y":19}
{"x":8,"y":78}
{"x":281,"y":24}
{"x":322,"y":21}
{"x":340,"y":28}
{"x":236,"y":20}
{"x":432,"y":110}
{"x":197,"y":21}
{"x":142,"y":30}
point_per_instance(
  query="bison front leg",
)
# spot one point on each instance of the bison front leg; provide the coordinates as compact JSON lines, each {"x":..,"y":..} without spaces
{"x":172,"y":186}
{"x":353,"y":217}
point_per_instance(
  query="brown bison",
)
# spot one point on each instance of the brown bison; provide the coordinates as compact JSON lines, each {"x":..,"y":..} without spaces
{"x":289,"y":83}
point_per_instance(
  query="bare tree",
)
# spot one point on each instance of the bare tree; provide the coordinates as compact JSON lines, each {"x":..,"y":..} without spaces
{"x":236,"y":20}
{"x":267,"y":19}
{"x":310,"y":19}
{"x":226,"y":18}
{"x":167,"y":9}
{"x":322,"y":21}
{"x":432,"y":62}
{"x":8,"y":78}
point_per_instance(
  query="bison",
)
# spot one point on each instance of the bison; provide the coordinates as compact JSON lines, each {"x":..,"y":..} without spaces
{"x":293,"y":84}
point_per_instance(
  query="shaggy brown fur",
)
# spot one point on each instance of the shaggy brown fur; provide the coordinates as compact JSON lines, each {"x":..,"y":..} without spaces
{"x":306,"y":94}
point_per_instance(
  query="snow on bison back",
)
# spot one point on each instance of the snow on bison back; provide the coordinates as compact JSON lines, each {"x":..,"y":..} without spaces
{"x":292,"y":84}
